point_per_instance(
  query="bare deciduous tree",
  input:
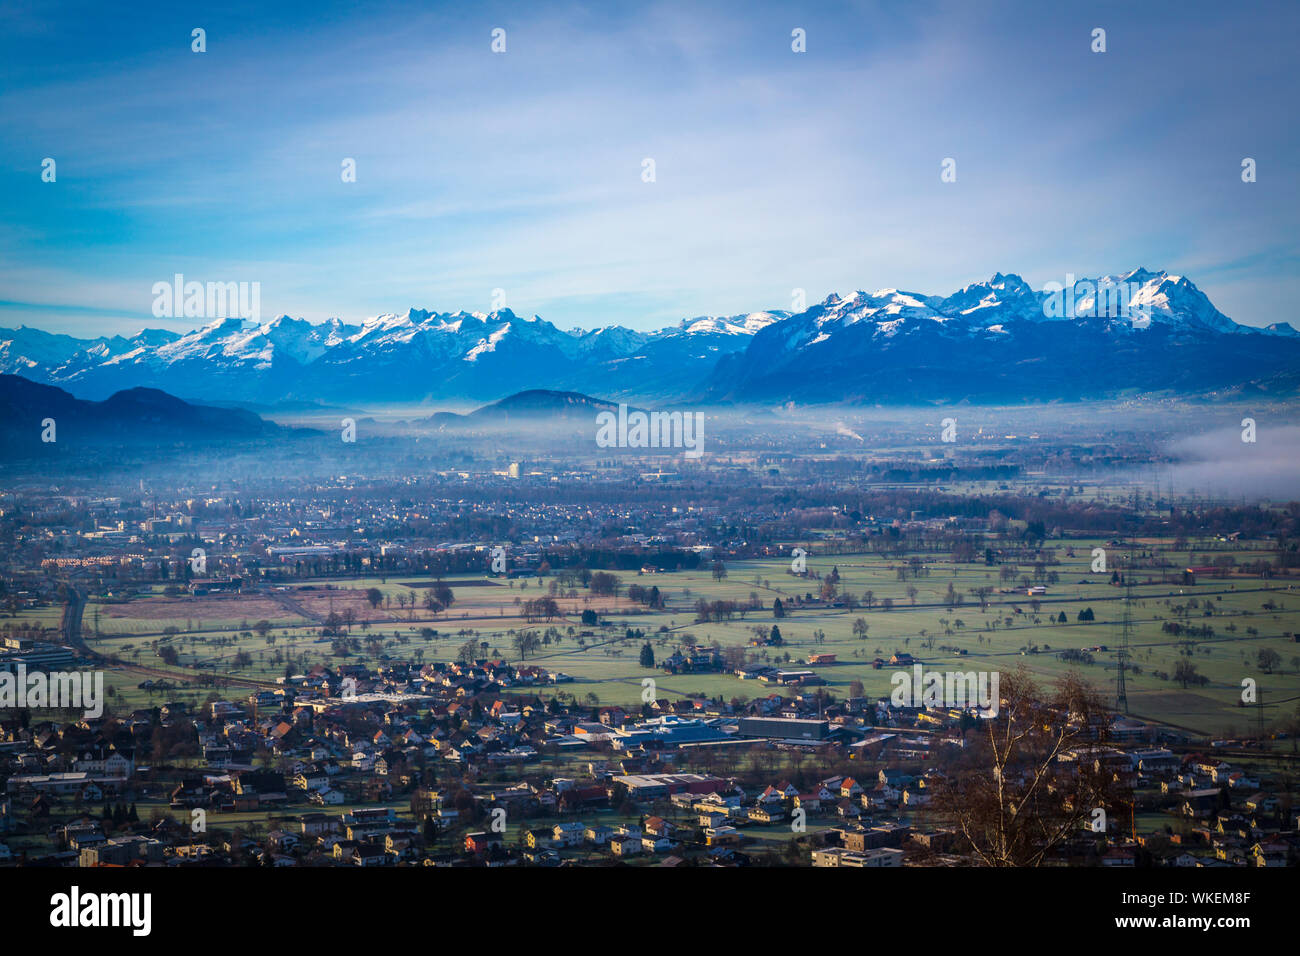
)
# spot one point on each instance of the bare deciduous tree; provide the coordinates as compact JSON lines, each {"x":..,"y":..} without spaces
{"x":1037,"y":773}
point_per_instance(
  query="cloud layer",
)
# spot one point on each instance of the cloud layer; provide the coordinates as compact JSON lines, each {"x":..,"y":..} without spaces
{"x":522,"y":171}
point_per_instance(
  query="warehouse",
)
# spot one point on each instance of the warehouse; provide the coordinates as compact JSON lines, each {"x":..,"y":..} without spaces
{"x":784,"y":728}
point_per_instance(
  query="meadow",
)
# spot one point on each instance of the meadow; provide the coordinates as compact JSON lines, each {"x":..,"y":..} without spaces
{"x":219,"y":637}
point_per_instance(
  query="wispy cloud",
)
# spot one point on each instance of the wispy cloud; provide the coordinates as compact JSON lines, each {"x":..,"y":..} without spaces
{"x":522,"y":171}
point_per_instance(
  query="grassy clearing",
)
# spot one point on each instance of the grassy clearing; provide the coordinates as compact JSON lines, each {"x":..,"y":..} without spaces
{"x":216,"y":635}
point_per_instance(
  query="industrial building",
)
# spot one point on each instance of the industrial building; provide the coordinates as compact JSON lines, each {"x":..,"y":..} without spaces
{"x":784,"y":728}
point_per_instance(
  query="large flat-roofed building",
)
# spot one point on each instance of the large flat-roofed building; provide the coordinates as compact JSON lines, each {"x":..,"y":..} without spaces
{"x":784,"y":728}
{"x":651,"y":785}
{"x":36,"y":655}
{"x":667,"y":731}
{"x":886,"y":835}
{"x":839,"y":856}
{"x":119,"y":852}
{"x":204,"y":586}
{"x":61,"y":783}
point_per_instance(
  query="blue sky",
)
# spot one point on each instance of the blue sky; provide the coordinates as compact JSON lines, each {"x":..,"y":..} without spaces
{"x":522,"y":170}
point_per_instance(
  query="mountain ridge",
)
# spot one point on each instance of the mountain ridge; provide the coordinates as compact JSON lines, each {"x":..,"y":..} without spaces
{"x":39,"y":418}
{"x":995,"y":330}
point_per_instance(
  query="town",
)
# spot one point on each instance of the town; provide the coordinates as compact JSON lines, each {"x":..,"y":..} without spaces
{"x":648,"y":662}
{"x":463,"y":764}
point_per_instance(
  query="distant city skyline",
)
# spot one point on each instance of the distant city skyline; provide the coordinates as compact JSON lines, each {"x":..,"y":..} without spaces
{"x":522,"y":171}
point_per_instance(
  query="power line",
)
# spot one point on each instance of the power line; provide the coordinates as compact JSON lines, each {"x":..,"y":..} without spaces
{"x":1126,"y":628}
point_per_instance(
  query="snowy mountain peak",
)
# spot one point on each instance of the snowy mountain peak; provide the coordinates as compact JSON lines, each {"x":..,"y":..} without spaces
{"x":418,"y":353}
{"x":730,"y":324}
{"x":1002,"y":297}
{"x":1143,"y":297}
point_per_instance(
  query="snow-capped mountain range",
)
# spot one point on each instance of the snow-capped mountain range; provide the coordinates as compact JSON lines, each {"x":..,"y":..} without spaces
{"x":1137,"y":332}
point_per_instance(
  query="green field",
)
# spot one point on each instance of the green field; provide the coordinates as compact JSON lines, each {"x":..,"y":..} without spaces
{"x":215,"y":636}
